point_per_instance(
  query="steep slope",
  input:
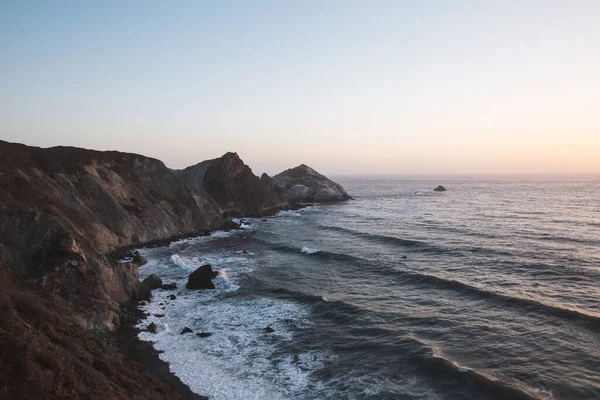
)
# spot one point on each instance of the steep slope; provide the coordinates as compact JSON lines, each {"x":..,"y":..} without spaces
{"x":103,"y":199}
{"x":46,"y":354}
{"x":234,"y":187}
{"x":305,"y":185}
{"x":63,"y":209}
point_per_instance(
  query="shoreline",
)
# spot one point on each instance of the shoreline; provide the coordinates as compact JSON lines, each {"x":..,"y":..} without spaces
{"x":130,"y":348}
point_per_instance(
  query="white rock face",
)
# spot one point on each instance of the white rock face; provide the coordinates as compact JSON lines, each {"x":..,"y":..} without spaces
{"x":305,"y":185}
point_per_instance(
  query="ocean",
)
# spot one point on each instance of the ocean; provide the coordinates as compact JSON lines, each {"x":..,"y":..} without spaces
{"x":490,"y":290}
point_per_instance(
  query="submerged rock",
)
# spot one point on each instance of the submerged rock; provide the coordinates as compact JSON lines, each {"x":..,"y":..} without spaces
{"x":169,"y":286}
{"x":152,"y":328}
{"x":268,"y":329}
{"x":153,"y":281}
{"x":440,"y":188}
{"x":171,"y":297}
{"x":201,"y":278}
{"x":186,"y":330}
{"x":305,"y":185}
{"x":204,"y":334}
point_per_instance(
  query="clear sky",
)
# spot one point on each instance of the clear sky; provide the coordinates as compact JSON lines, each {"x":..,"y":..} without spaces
{"x":369,"y":87}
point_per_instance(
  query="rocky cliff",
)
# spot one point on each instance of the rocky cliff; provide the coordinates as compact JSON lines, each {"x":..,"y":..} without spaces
{"x":305,"y":185}
{"x":234,"y":187}
{"x":63,"y":209}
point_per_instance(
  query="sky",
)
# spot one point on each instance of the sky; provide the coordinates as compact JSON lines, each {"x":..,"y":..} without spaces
{"x":347,"y":87}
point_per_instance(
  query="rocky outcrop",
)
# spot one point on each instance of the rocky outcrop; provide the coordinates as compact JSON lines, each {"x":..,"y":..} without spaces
{"x":46,"y":354}
{"x":305,"y":185}
{"x":232,"y":185}
{"x":202,"y":278}
{"x":153,"y":281}
{"x":63,"y":209}
{"x":439,"y":188}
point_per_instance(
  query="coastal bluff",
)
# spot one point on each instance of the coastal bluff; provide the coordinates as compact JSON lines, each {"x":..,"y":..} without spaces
{"x":65,"y":213}
{"x":305,"y":185}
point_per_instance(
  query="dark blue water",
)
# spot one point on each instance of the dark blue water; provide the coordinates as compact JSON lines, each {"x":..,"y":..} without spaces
{"x":487,"y":291}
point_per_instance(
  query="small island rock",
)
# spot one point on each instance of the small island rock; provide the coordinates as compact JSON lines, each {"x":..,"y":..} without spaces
{"x":440,"y":188}
{"x":201,"y":278}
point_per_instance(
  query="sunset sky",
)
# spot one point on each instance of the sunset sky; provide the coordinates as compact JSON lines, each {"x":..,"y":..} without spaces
{"x":348,"y":87}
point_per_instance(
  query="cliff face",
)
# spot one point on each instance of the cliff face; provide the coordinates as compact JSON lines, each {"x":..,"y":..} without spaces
{"x":104,"y":199}
{"x":234,"y":187}
{"x":305,"y":185}
{"x":62,"y":209}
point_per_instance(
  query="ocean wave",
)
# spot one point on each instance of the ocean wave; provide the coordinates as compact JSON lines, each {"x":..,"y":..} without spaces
{"x":308,"y":250}
{"x":377,"y":237}
{"x":485,"y":384}
{"x":527,"y":304}
{"x":383,"y":269}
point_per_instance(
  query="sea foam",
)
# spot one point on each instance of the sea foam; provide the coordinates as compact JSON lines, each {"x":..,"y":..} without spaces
{"x":308,"y":250}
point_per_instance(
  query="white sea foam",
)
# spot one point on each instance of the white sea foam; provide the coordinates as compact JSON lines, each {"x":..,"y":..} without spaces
{"x":545,"y":392}
{"x":308,"y":250}
{"x":240,"y":360}
{"x":329,"y":300}
{"x":289,"y":213}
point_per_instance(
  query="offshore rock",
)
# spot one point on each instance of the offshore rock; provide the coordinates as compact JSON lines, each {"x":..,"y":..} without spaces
{"x":153,"y":281}
{"x":201,"y":278}
{"x":439,"y":188}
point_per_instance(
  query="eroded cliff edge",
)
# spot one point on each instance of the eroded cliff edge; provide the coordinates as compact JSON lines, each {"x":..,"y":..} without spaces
{"x":63,"y":210}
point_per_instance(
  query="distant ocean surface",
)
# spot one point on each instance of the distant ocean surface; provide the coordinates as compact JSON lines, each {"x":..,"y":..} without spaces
{"x":490,"y":290}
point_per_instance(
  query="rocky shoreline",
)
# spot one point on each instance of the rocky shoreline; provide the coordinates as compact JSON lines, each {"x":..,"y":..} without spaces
{"x":67,"y":216}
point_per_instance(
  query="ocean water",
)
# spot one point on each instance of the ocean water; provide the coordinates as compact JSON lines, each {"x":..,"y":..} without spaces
{"x":490,"y":290}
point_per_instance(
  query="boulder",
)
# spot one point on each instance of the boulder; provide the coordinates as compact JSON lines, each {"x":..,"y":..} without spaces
{"x":439,"y":188}
{"x":169,"y":286}
{"x":138,"y":259}
{"x":186,"y":330}
{"x":153,"y":281}
{"x":152,"y":328}
{"x":171,"y":297}
{"x":201,"y":278}
{"x":268,"y":329}
{"x":204,"y":334}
